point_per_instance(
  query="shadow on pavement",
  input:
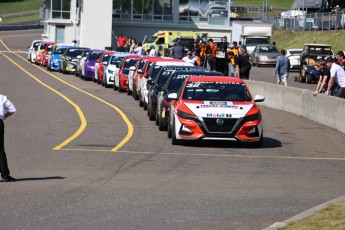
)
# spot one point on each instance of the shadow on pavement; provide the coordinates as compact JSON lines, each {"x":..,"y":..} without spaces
{"x":41,"y":178}
{"x":269,"y":143}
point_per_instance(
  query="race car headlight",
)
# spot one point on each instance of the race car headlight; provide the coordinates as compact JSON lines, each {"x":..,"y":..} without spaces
{"x":68,"y":58}
{"x":253,"y":117}
{"x":110,"y":71}
{"x":186,"y":115}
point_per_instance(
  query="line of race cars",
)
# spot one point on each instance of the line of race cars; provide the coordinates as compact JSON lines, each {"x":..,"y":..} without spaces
{"x":189,"y":102}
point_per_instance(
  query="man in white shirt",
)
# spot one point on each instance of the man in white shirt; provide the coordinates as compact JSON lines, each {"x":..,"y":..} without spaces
{"x":139,"y":49}
{"x":337,"y":76}
{"x":190,"y":58}
{"x":153,"y":52}
{"x":6,"y":110}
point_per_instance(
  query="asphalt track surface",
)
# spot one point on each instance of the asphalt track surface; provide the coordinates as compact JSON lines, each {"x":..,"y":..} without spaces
{"x":89,"y":158}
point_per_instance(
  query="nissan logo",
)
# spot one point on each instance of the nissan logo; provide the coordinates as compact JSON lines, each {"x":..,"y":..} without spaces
{"x":220,"y":121}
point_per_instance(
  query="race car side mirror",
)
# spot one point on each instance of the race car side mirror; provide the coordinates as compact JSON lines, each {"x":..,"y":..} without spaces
{"x":172,"y":96}
{"x":259,"y":98}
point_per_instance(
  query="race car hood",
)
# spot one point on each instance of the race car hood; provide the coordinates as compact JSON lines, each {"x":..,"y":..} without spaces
{"x":219,"y":109}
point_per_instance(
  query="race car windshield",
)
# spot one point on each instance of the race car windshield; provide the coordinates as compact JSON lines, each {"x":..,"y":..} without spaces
{"x":116,"y":60}
{"x":216,"y":91}
{"x":94,"y":56}
{"x":75,"y":52}
{"x":59,"y":50}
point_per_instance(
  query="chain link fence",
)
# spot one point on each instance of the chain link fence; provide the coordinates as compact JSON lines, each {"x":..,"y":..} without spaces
{"x":310,"y":22}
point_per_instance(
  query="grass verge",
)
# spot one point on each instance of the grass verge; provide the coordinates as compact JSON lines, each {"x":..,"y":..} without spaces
{"x":20,"y":19}
{"x":9,"y":7}
{"x":288,"y":39}
{"x":331,"y":218}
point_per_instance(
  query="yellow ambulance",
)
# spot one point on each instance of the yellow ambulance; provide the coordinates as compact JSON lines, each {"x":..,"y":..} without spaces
{"x":162,"y":40}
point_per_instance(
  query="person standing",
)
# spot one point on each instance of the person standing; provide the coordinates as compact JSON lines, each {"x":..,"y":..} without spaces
{"x":139,"y":49}
{"x":282,"y":68}
{"x":325,"y":75}
{"x":153,"y":52}
{"x":177,"y":51}
{"x":6,"y":110}
{"x":341,"y":59}
{"x":190,"y":58}
{"x":121,"y":43}
{"x":242,"y":64}
{"x":211,"y":50}
{"x":337,"y":78}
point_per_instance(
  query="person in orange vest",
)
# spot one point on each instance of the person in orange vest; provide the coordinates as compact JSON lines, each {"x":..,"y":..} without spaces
{"x":202,"y":54}
{"x":210,"y":52}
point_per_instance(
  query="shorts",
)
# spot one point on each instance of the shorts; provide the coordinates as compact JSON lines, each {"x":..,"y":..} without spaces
{"x":282,"y":78}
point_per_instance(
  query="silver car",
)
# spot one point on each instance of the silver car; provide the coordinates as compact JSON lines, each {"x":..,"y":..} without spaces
{"x":265,"y":55}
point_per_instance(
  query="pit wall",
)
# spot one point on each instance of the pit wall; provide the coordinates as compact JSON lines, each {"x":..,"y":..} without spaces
{"x":326,"y":110}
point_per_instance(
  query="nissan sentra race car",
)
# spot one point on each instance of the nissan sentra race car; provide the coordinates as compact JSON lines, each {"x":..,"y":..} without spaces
{"x":215,"y":108}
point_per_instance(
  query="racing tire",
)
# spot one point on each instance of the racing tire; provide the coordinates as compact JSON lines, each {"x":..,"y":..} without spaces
{"x":157,"y":118}
{"x":152,"y":112}
{"x":162,"y":126}
{"x":169,"y":130}
{"x":105,"y":84}
{"x":120,"y":89}
{"x":134,"y":93}
{"x":141,"y":103}
{"x":94,"y":80}
{"x":115,"y":87}
{"x":308,"y":79}
{"x":129,"y":92}
{"x":174,"y":140}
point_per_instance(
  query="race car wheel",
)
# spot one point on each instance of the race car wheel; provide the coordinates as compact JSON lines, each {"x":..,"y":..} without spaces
{"x":157,"y":117}
{"x":169,"y":130}
{"x":120,"y":88}
{"x":129,"y":92}
{"x":115,"y":87}
{"x":162,"y":126}
{"x":105,"y":84}
{"x":144,"y":106}
{"x":308,"y":79}
{"x":174,"y":140}
{"x":152,"y":112}
{"x":141,"y":103}
{"x":135,"y":95}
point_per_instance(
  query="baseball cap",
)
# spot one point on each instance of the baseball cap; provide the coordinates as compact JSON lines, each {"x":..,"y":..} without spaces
{"x":330,"y":59}
{"x":189,"y":53}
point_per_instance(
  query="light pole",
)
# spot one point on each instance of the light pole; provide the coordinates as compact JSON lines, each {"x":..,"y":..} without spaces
{"x":266,"y":9}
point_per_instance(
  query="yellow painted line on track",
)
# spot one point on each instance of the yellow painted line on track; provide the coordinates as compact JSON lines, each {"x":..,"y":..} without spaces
{"x":215,"y":155}
{"x":77,"y":108}
{"x":130,"y":128}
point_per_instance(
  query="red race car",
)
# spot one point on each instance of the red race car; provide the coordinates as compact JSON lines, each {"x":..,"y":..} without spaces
{"x":215,"y":108}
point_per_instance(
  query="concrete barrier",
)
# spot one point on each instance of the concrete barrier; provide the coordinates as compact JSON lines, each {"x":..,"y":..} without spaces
{"x":326,"y":110}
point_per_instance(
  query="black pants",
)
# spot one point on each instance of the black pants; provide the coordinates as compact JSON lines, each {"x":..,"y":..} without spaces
{"x":5,"y":172}
{"x":341,"y":92}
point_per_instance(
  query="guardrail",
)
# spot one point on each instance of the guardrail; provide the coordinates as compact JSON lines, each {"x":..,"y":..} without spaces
{"x":326,"y":110}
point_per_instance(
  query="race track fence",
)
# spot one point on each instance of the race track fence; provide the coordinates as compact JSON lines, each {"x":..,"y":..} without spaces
{"x":310,"y":22}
